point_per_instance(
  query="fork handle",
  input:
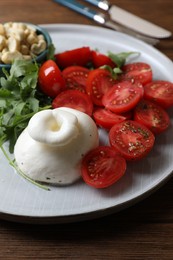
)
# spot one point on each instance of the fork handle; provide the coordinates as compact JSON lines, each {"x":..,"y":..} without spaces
{"x":104,"y":4}
{"x":74,"y":5}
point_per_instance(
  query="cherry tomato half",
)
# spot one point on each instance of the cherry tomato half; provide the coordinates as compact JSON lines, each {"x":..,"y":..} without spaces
{"x":79,"y":56}
{"x":160,"y":92}
{"x":131,"y":139}
{"x":99,"y":59}
{"x":102,"y":167}
{"x":75,"y":77}
{"x":123,"y":96}
{"x":99,"y":81}
{"x":152,"y":116}
{"x":74,"y":99}
{"x":139,"y":71}
{"x":106,"y":119}
{"x":50,"y":79}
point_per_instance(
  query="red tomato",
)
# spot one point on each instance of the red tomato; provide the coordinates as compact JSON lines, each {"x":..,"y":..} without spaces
{"x":99,"y":59}
{"x":50,"y":79}
{"x":128,"y":114}
{"x":79,"y":56}
{"x":160,"y":92}
{"x":75,"y":77}
{"x":152,"y":116}
{"x":106,"y":119}
{"x":74,"y":99}
{"x":139,"y":71}
{"x":102,"y":167}
{"x":123,"y":96}
{"x":99,"y":81}
{"x":131,"y":139}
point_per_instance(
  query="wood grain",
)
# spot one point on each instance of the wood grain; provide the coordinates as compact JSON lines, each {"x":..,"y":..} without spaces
{"x":144,"y":231}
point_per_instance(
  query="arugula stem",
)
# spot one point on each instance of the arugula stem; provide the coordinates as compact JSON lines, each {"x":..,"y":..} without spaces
{"x":12,"y":163}
{"x":28,"y":116}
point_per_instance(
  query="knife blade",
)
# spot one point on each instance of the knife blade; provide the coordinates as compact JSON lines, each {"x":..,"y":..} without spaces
{"x":130,"y":20}
{"x":102,"y":19}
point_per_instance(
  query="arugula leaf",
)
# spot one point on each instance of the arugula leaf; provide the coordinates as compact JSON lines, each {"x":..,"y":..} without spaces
{"x":114,"y":71}
{"x":19,"y":100}
{"x":51,"y":52}
{"x":120,"y":58}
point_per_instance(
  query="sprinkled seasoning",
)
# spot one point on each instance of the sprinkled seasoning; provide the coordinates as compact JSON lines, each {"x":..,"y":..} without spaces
{"x":131,"y":139}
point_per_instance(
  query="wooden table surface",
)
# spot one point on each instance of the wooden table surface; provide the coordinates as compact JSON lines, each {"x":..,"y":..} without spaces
{"x":143,"y":231}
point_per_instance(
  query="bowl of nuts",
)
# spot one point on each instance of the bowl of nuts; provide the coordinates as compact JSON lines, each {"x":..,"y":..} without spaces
{"x":22,"y":41}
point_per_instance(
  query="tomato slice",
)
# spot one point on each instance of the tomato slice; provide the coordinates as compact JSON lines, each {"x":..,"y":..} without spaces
{"x":75,"y":77}
{"x":152,"y":116}
{"x":102,"y":167}
{"x":50,"y":79}
{"x":138,"y":71}
{"x":106,"y":119}
{"x":131,"y":139}
{"x":160,"y":92}
{"x":79,"y":56}
{"x":99,"y":59}
{"x":123,"y":96}
{"x":99,"y":81}
{"x":74,"y":99}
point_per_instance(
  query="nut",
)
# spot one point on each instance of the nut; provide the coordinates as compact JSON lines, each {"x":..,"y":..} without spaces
{"x":8,"y":57}
{"x":2,"y":42}
{"x":39,"y":47}
{"x":32,"y":38}
{"x":13,"y":44}
{"x":18,"y":40}
{"x":2,"y":30}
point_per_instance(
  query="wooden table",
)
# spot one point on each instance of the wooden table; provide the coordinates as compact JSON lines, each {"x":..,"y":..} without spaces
{"x":144,"y":231}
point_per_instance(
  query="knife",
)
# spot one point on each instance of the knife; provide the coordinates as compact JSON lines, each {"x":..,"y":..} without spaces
{"x":102,"y":19}
{"x":130,"y":20}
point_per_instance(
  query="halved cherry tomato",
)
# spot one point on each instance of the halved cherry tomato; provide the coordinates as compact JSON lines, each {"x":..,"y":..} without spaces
{"x":152,"y":116}
{"x":106,"y":119}
{"x":99,"y":81}
{"x":139,"y":71}
{"x":75,"y":77}
{"x":128,"y":114}
{"x":99,"y":59}
{"x":102,"y":167}
{"x":131,"y":139}
{"x":123,"y":96}
{"x":74,"y":99}
{"x":79,"y":56}
{"x":50,"y":79}
{"x":160,"y":92}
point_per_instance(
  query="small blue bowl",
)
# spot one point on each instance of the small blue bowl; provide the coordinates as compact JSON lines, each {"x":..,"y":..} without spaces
{"x":42,"y":56}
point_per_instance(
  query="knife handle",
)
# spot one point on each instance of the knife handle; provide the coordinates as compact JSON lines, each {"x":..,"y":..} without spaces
{"x":74,"y":5}
{"x":104,"y":4}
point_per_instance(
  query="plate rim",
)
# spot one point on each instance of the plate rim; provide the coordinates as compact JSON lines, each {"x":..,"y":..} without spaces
{"x":105,"y":211}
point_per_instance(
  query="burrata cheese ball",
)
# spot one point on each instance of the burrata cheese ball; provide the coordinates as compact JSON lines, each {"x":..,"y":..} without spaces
{"x":53,"y":144}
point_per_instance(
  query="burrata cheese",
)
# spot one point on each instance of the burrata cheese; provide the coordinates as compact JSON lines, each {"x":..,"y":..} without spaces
{"x":52,"y":146}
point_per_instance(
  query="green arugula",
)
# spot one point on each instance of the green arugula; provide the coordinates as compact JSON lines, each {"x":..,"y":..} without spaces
{"x":51,"y":52}
{"x":120,"y":58}
{"x":113,"y":71}
{"x":19,"y":100}
{"x":13,"y":164}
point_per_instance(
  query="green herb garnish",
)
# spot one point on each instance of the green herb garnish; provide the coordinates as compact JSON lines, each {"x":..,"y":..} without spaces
{"x":120,"y":58}
{"x":113,"y":71}
{"x":51,"y":52}
{"x":13,"y":164}
{"x":18,"y":100}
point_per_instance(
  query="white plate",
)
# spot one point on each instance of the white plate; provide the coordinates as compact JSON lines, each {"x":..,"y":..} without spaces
{"x":24,"y":202}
